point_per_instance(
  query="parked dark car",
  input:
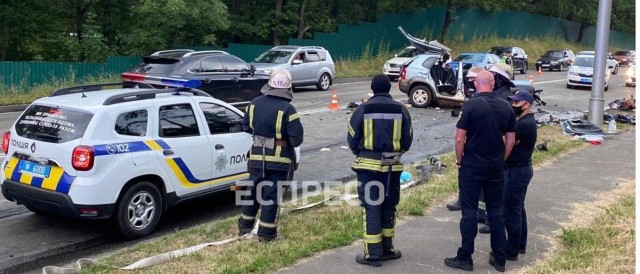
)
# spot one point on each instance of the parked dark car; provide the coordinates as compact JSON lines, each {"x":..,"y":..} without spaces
{"x":558,"y":59}
{"x":224,"y":76}
{"x":625,"y":57}
{"x":520,"y":58}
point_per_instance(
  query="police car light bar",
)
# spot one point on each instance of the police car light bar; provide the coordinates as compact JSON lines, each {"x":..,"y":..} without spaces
{"x":165,"y":81}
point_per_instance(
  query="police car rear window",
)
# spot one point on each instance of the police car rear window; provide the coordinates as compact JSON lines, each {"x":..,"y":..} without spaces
{"x":52,"y":124}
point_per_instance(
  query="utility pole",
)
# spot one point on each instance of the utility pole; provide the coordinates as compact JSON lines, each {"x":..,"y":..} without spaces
{"x":596,"y":103}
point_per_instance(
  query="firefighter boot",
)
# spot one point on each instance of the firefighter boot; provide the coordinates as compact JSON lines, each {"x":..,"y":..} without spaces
{"x":245,"y":224}
{"x":388,"y":252}
{"x":372,"y":255}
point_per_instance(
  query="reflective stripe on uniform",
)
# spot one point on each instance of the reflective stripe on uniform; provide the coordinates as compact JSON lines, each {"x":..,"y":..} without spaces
{"x":247,"y":217}
{"x":293,"y":117}
{"x":351,"y":131}
{"x":397,"y":129}
{"x":270,"y":225}
{"x":374,"y":165}
{"x":270,"y":159}
{"x":368,"y":134}
{"x":251,"y":116}
{"x":372,"y":239}
{"x":279,"y":124}
{"x":388,"y":232}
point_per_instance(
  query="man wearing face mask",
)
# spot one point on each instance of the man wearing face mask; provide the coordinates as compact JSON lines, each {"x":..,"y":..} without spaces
{"x":517,"y":175}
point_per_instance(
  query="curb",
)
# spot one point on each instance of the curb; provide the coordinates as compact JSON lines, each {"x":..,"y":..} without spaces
{"x":12,"y":108}
{"x":16,"y":108}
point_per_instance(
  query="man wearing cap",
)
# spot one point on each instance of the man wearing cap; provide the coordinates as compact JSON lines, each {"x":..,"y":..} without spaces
{"x":484,"y":138}
{"x":379,"y":132}
{"x":502,"y":77}
{"x":276,"y":130}
{"x":517,"y":175}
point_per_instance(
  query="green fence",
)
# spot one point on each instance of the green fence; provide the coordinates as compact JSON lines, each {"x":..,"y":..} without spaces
{"x":349,"y":41}
{"x":32,"y":73}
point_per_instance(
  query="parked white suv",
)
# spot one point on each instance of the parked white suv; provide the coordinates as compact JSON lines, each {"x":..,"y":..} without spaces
{"x":93,"y":153}
{"x":308,"y":65}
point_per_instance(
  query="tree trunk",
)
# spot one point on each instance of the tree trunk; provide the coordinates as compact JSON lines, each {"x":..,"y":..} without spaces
{"x":81,"y":11}
{"x":276,"y":37}
{"x":301,"y":26}
{"x":583,"y":26}
{"x":107,"y":24}
{"x":448,"y":19}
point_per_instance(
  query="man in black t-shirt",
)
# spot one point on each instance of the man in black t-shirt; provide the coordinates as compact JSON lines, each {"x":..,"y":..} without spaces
{"x":484,"y":138}
{"x":517,"y":175}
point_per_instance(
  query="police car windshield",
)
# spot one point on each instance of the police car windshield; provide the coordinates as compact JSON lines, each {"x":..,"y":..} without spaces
{"x":497,"y":51}
{"x":274,"y":57}
{"x":52,"y":124}
{"x":584,"y":61}
{"x":409,"y":52}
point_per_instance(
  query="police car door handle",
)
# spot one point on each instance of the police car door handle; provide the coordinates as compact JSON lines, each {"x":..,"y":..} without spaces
{"x":167,"y":152}
{"x":219,"y":147}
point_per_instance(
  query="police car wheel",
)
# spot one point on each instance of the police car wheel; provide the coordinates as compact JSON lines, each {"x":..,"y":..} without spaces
{"x":615,"y":70}
{"x":420,"y":96}
{"x":139,"y":210}
{"x":324,"y":82}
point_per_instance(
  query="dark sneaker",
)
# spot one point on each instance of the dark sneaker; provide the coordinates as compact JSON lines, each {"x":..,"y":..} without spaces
{"x":454,"y":206}
{"x":396,"y":254}
{"x":456,"y":262}
{"x":361,"y":260}
{"x":492,"y":262}
{"x":512,"y":257}
{"x":485,"y":229}
{"x":523,"y":251}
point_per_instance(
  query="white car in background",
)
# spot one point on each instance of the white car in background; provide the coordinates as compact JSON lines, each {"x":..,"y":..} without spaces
{"x":612,"y":64}
{"x":391,"y":67}
{"x":581,"y":72}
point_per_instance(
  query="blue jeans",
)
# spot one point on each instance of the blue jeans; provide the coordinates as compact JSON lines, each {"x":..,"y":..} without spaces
{"x":491,"y":181}
{"x":515,"y":217}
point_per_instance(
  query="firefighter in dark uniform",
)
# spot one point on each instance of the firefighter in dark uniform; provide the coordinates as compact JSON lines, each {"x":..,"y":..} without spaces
{"x":379,"y":133}
{"x":276,"y":130}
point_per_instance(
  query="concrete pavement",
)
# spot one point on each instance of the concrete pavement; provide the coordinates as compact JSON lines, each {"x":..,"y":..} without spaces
{"x":426,"y":241}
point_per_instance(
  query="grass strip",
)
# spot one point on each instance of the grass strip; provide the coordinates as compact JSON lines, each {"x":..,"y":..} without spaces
{"x":304,"y":234}
{"x":605,"y":246}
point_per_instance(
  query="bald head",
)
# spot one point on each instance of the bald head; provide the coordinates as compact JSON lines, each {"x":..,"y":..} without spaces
{"x":484,"y":81}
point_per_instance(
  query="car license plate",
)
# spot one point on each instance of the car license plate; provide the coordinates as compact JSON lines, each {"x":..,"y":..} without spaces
{"x":545,"y":66}
{"x":31,"y":167}
{"x":586,"y":80}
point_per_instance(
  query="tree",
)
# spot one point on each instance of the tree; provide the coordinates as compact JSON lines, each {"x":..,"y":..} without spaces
{"x":161,"y":24}
{"x":584,"y":12}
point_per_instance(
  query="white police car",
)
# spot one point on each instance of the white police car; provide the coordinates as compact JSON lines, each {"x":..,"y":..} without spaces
{"x":127,"y":154}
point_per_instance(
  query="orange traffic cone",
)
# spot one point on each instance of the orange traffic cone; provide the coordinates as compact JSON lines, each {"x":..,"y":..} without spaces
{"x":539,"y":71}
{"x":334,"y":102}
{"x":531,"y":78}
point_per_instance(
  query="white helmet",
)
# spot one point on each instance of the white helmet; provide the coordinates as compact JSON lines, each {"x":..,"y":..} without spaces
{"x":280,"y":79}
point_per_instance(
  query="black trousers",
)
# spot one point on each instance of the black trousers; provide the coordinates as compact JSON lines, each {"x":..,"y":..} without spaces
{"x":268,"y":187}
{"x":516,"y":182}
{"x":491,"y":181}
{"x":379,"y":194}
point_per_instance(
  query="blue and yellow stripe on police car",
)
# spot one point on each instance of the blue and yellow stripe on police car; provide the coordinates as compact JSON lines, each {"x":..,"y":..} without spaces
{"x":58,"y":179}
{"x":184,"y":174}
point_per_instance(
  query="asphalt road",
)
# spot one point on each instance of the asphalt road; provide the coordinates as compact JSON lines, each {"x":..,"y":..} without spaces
{"x":30,"y":241}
